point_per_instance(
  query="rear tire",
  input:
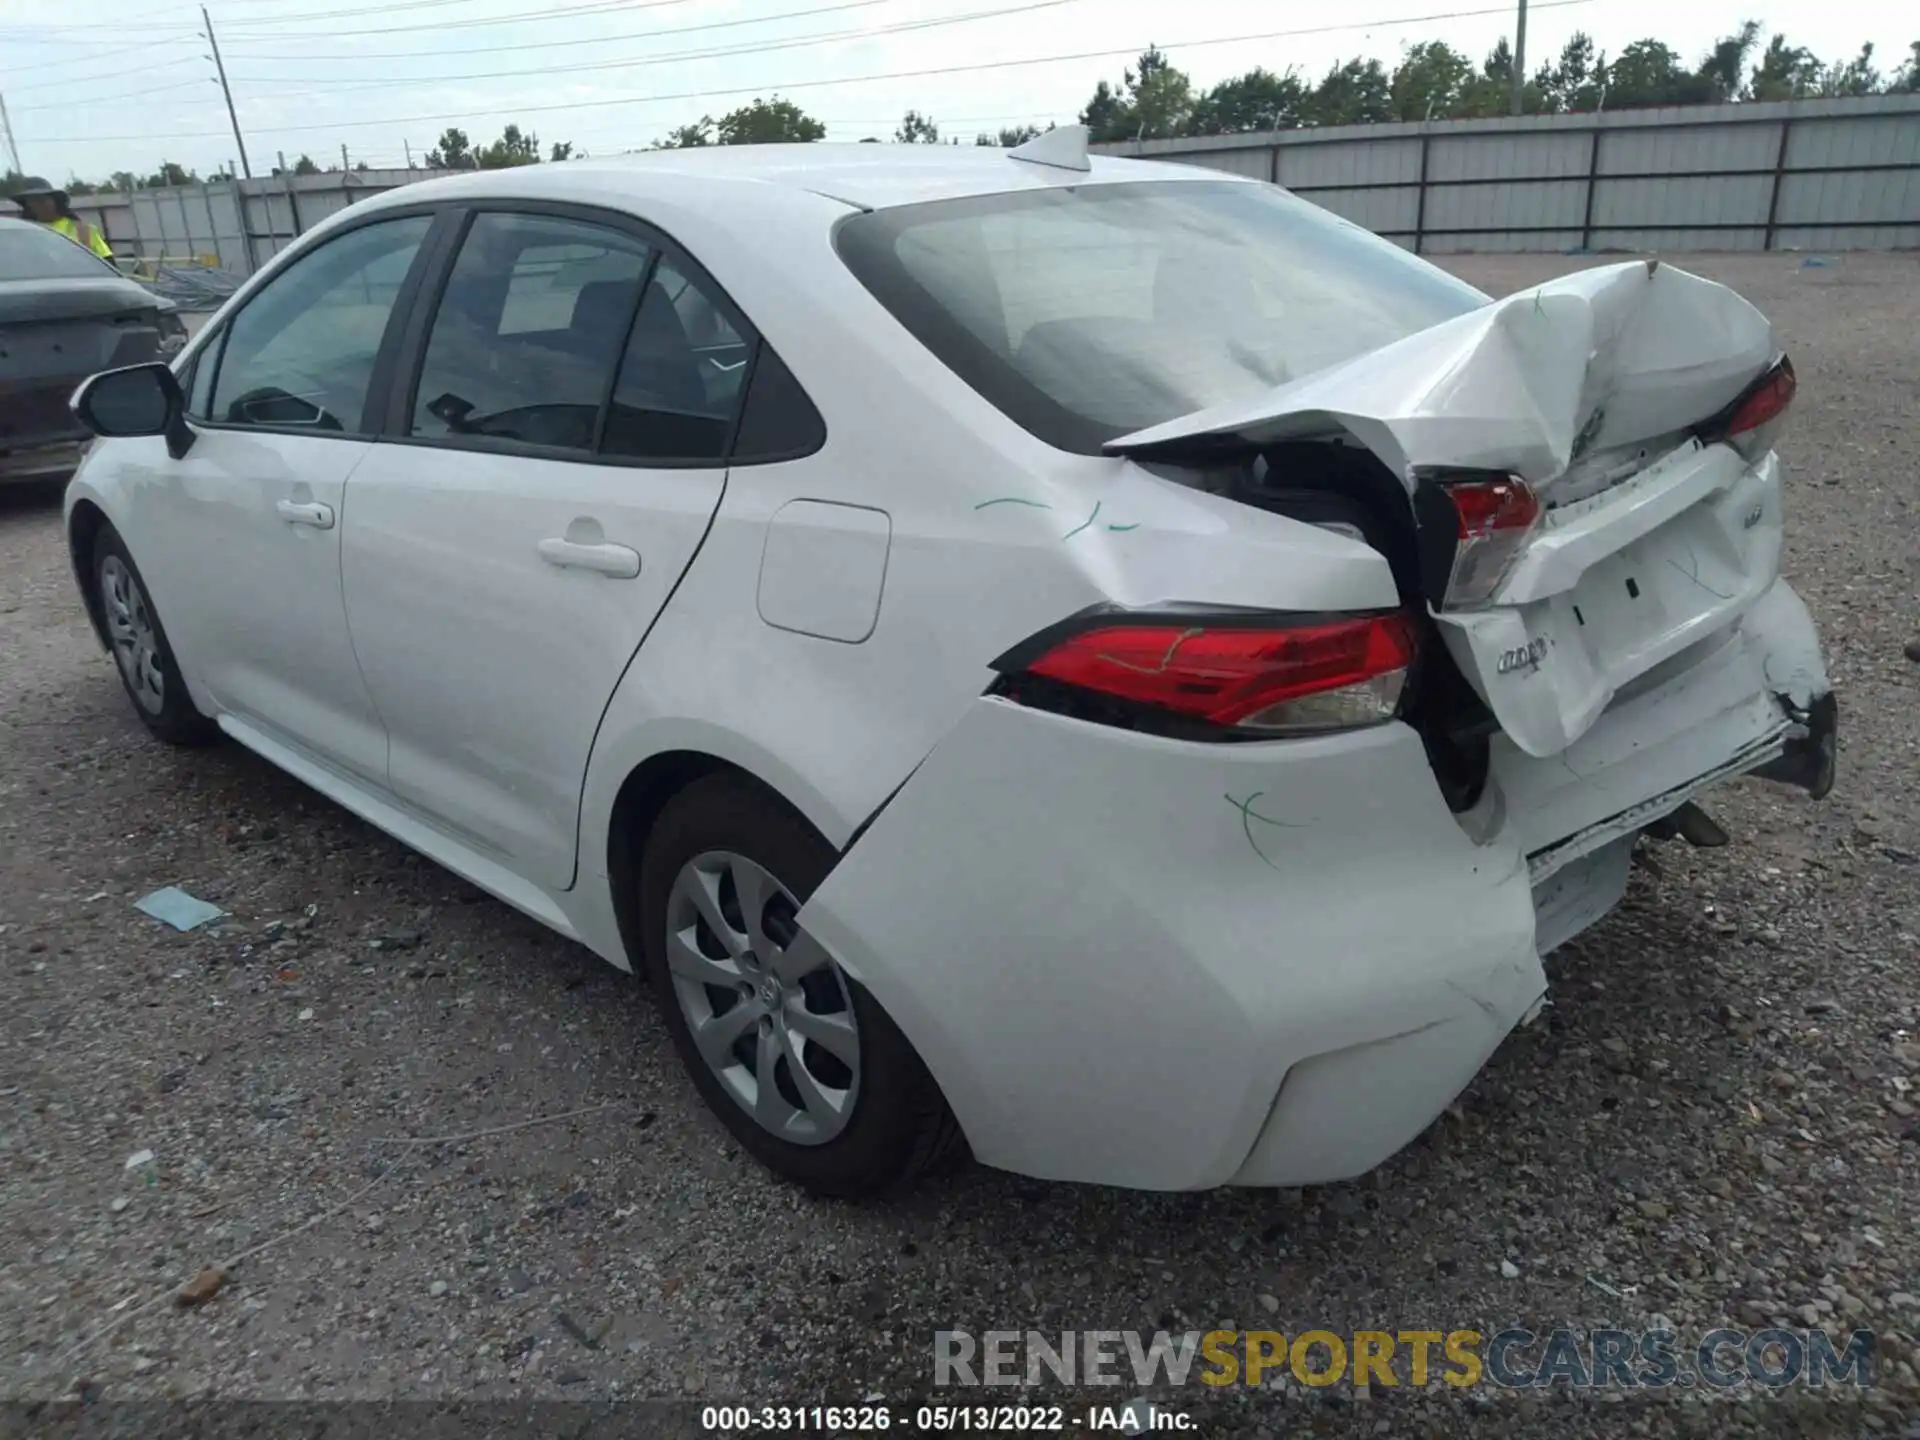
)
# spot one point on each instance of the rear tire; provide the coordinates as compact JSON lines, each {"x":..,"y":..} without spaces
{"x":141,"y":653}
{"x":852,"y":1110}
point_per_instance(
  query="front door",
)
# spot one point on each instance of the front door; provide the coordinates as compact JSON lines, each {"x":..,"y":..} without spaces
{"x":503,"y":559}
{"x":247,"y":526}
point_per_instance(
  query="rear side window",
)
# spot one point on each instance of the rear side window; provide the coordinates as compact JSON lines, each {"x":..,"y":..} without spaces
{"x":681,"y":378}
{"x":529,"y":332}
{"x":1090,"y":312}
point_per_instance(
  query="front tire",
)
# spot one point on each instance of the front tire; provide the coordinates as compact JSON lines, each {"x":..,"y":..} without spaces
{"x":141,"y":653}
{"x":796,"y":1059}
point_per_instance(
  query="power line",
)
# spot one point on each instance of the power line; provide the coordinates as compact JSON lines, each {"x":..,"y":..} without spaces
{"x":90,"y":59}
{"x":72,"y":80}
{"x":604,"y":7}
{"x":766,"y":88}
{"x":754,"y":48}
{"x":39,"y":33}
{"x":438,"y":51}
{"x":125,"y":95}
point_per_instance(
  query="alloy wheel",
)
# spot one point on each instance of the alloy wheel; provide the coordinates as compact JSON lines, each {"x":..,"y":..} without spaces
{"x":768,"y":1010}
{"x":136,"y":643}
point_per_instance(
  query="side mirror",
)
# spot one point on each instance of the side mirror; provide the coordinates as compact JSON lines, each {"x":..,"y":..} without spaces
{"x":138,"y":400}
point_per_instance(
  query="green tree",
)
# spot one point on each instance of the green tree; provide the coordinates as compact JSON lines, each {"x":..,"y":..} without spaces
{"x":688,"y":137}
{"x":1358,"y":92}
{"x":1572,"y":83}
{"x":169,"y":174}
{"x":768,"y":122}
{"x":1907,"y":80}
{"x":1649,"y":73}
{"x":1857,"y":77}
{"x":917,"y":129}
{"x":124,"y":180}
{"x":1009,"y":137}
{"x":1154,"y":101}
{"x":1726,"y":63}
{"x":510,"y":150}
{"x":305,"y":166}
{"x":1430,"y":82}
{"x":1784,"y":72}
{"x":1257,"y":100}
{"x":563,"y":150}
{"x":77,"y":186}
{"x":454,"y":152}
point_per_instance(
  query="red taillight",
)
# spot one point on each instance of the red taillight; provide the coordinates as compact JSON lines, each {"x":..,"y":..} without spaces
{"x":1766,"y":401}
{"x":1279,"y":679}
{"x":1752,"y":423}
{"x":1495,"y":518}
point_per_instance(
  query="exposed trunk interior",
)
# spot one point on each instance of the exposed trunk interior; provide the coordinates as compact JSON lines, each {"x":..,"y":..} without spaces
{"x":1343,"y":487}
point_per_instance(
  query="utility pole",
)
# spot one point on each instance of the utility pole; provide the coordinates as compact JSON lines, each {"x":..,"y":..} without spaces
{"x":406,"y":144}
{"x":1520,"y":61}
{"x":232,"y":114}
{"x":6,"y":133}
{"x":344,"y":166}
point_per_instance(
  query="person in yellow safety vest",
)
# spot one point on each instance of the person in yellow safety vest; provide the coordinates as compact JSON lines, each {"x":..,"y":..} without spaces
{"x":53,"y":209}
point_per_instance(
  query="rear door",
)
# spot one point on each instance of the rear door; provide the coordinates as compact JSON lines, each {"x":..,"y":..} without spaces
{"x":556,"y":458}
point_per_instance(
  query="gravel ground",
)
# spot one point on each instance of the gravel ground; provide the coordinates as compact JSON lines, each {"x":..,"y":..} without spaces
{"x":1716,"y":1123}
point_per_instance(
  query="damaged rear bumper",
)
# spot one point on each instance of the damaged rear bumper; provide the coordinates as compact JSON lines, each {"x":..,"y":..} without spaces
{"x":1811,"y":756}
{"x":1111,"y":948}
{"x":1137,"y":961}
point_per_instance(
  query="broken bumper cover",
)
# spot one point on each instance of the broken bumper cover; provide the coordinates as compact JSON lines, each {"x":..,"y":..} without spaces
{"x":1112,"y":949}
{"x":1811,"y":757}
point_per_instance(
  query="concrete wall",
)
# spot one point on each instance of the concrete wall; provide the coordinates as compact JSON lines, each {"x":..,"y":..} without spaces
{"x":1803,"y":175}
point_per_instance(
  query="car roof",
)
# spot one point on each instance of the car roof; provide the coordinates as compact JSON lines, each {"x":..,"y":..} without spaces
{"x":872,"y":177}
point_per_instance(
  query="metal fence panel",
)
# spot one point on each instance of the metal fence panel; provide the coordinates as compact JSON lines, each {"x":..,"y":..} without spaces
{"x":1502,"y":157}
{"x":1350,"y":163}
{"x":1710,"y":176}
{"x":1386,"y":211}
{"x":1507,"y":205}
{"x":1251,"y":163}
{"x":1690,"y":149}
{"x":1858,"y":140}
{"x":1872,"y":195}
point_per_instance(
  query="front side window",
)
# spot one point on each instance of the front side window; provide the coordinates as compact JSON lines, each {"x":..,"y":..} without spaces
{"x":529,"y":332}
{"x":302,"y":352}
{"x":1089,"y":312}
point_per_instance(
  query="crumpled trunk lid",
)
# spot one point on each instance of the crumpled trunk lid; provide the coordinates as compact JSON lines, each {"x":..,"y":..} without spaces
{"x":1588,"y":387}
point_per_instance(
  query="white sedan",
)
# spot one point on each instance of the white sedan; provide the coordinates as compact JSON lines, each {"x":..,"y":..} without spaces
{"x":1100,"y":662}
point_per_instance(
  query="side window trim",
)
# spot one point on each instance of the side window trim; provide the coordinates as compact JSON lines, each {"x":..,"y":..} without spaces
{"x":427,"y":273}
{"x":655,"y":254}
{"x":411,"y":354}
{"x":369,"y":428}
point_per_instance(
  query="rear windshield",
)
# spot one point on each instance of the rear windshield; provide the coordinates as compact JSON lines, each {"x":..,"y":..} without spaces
{"x":1087,"y":313}
{"x":28,"y":252}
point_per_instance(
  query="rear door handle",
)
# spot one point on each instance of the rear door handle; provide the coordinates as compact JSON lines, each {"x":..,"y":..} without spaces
{"x":319,"y":516}
{"x":614,"y":560}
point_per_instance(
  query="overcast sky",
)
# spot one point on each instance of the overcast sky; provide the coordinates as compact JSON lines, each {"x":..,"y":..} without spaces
{"x":90,"y":89}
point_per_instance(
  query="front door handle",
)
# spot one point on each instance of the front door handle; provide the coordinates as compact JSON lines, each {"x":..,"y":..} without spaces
{"x":613,"y":560}
{"x":319,"y":516}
